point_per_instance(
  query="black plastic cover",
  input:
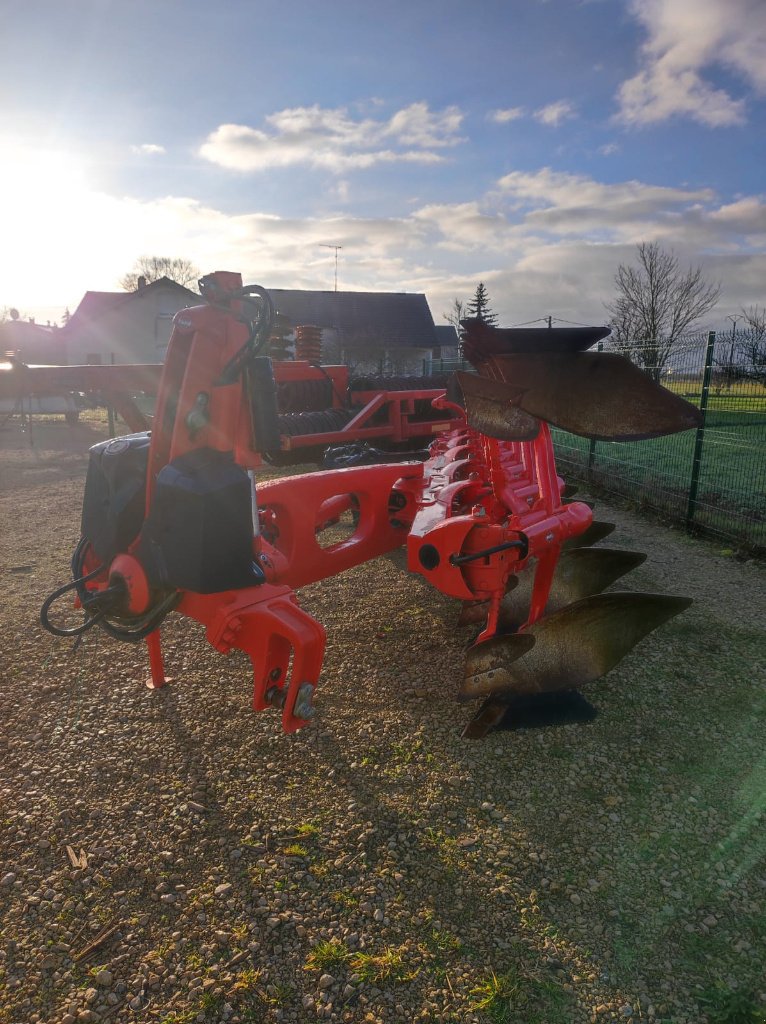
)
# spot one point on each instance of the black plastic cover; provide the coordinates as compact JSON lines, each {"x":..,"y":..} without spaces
{"x":262,"y":396}
{"x":115,"y":493}
{"x":199,"y":534}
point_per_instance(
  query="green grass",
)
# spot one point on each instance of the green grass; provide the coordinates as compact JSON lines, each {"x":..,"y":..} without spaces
{"x":657,"y":472}
{"x":389,"y":967}
{"x":295,"y":850}
{"x":307,"y":830}
{"x":327,"y":955}
{"x":728,"y":1006}
{"x":517,"y":997}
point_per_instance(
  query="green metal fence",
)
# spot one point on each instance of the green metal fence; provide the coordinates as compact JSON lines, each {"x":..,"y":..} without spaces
{"x":712,"y":479}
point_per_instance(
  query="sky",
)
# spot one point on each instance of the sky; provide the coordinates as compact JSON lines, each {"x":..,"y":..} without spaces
{"x":527,"y":144}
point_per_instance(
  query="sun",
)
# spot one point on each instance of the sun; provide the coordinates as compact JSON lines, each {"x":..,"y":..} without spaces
{"x":48,"y":217}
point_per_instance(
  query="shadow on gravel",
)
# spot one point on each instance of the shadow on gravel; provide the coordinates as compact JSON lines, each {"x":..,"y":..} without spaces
{"x":547,"y":709}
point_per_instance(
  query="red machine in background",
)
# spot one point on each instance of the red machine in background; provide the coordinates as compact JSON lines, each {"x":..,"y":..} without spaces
{"x":174,"y":519}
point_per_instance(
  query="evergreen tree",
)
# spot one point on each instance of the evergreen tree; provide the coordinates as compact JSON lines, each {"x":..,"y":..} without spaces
{"x":478,"y":307}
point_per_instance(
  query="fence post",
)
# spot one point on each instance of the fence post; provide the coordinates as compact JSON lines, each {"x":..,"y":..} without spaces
{"x":699,"y":439}
{"x":592,"y":445}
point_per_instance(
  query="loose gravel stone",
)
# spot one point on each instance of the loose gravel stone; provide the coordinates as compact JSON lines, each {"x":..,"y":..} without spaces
{"x":373,"y":867}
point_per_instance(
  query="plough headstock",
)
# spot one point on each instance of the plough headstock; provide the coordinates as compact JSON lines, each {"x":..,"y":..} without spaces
{"x":174,"y":519}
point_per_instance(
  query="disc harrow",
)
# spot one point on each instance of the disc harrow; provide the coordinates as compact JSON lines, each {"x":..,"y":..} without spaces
{"x":175,"y":521}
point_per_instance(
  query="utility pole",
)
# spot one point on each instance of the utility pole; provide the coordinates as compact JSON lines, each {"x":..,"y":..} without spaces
{"x":325,"y":245}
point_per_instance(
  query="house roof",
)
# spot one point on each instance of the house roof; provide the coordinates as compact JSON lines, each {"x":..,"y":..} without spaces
{"x":395,"y":318}
{"x":446,"y":336}
{"x":35,"y":342}
{"x":94,"y":305}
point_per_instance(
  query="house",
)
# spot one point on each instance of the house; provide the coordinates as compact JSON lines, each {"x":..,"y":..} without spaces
{"x":126,"y":327}
{"x":382,"y":332}
{"x":447,"y":342}
{"x":31,"y":343}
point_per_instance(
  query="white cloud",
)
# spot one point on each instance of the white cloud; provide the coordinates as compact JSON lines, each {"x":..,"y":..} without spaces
{"x":149,"y":149}
{"x":609,"y":149}
{"x":333,"y":140}
{"x":685,"y":40}
{"x":416,"y":125}
{"x":571,"y":204}
{"x":505,"y":115}
{"x":543,"y":241}
{"x":554,"y":113}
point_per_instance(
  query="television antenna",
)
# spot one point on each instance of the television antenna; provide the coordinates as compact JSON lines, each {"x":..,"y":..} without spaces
{"x":326,"y":245}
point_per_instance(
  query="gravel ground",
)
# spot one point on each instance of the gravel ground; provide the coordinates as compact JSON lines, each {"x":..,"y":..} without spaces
{"x":171,"y":856}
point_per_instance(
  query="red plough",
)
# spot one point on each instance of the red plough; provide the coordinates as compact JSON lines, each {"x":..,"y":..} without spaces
{"x":174,"y":520}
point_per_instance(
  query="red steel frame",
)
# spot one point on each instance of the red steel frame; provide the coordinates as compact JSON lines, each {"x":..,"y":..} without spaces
{"x":117,"y":384}
{"x":473,"y":496}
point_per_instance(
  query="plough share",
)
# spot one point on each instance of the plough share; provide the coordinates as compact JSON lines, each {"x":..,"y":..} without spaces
{"x":174,"y":519}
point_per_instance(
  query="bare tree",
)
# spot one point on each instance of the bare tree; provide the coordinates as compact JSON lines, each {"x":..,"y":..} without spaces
{"x":455,"y":313}
{"x":656,"y":303}
{"x":751,"y":343}
{"x":152,"y":268}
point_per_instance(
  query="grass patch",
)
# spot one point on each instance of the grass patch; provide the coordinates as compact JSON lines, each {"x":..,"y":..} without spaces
{"x":515,"y":997}
{"x":447,"y":848}
{"x":389,"y":966}
{"x":295,"y":850}
{"x":345,"y":899}
{"x":444,"y":941}
{"x":307,"y":830}
{"x":327,"y":955}
{"x":724,"y":1005}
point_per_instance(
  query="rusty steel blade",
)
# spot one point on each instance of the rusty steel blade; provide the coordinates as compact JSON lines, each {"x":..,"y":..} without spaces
{"x":583,"y":572}
{"x":488,"y":663}
{"x":483,"y":339}
{"x":488,"y":408}
{"x":595,"y":532}
{"x":580,"y":572}
{"x":486,"y":718}
{"x":602,"y":395}
{"x":572,"y":647}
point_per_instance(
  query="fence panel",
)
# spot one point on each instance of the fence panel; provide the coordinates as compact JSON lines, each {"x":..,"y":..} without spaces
{"x":725,"y":493}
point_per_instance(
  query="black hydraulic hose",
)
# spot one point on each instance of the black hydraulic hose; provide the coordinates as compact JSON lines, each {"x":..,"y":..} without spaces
{"x":462,"y":559}
{"x":76,"y":584}
{"x":128,"y":630}
{"x":145,"y":625}
{"x":259,"y":334}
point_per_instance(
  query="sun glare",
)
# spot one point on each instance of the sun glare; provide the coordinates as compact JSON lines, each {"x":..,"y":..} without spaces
{"x":47,"y":217}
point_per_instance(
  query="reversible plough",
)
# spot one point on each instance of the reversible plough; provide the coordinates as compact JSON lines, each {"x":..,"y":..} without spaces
{"x":174,"y":521}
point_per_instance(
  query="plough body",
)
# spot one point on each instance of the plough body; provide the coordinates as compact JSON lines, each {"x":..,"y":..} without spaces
{"x":175,"y":520}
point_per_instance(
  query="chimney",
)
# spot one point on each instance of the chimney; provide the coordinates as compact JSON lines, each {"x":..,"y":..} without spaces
{"x":141,"y":283}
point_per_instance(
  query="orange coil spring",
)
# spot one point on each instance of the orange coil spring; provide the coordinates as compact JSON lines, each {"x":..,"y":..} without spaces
{"x":308,"y":343}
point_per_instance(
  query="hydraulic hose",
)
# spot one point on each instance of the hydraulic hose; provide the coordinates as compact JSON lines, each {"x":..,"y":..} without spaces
{"x":129,"y":630}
